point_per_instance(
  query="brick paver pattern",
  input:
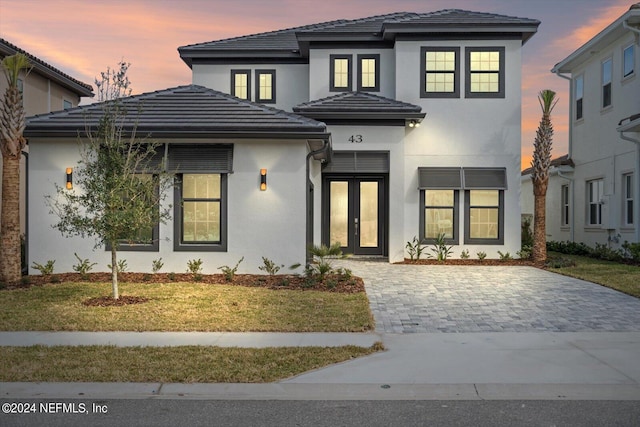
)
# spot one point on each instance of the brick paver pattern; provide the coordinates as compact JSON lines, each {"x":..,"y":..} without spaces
{"x":440,"y":298}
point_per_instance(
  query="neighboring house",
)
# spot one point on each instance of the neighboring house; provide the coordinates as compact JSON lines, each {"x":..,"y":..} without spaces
{"x":44,"y":89}
{"x":596,"y":199}
{"x":402,"y":125}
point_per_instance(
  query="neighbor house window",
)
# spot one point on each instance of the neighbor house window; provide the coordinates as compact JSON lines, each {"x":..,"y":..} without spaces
{"x":485,"y":72}
{"x":66,"y":104}
{"x":241,"y":84}
{"x":595,"y":191}
{"x":627,"y":184}
{"x":579,"y":89}
{"x":266,"y":86}
{"x":340,"y":73}
{"x":484,"y":216}
{"x":439,"y":215}
{"x":564,"y":201}
{"x":369,"y":73}
{"x":628,"y":61}
{"x":440,"y":72}
{"x":606,"y":83}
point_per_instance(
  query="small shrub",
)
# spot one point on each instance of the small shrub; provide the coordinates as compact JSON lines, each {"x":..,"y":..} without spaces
{"x":322,"y":264}
{"x":569,"y":248}
{"x":83,"y":266}
{"x":121,"y":267}
{"x":505,"y":256}
{"x":146,"y":277}
{"x":441,"y":251}
{"x":414,"y":248}
{"x":172,"y":276}
{"x":481,"y":255}
{"x":559,"y":262}
{"x":603,"y":251}
{"x":285,"y":281}
{"x":46,"y":269}
{"x":269,"y":266}
{"x":526,"y":234}
{"x":344,"y":273}
{"x":197,"y":277}
{"x":229,"y":273}
{"x":156,"y":265}
{"x":632,"y":251}
{"x":525,"y":252}
{"x":331,"y":284}
{"x":55,"y":279}
{"x":465,"y":254}
{"x":194,"y":266}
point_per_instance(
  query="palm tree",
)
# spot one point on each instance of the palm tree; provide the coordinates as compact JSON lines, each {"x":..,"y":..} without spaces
{"x":540,"y":175}
{"x":12,"y":123}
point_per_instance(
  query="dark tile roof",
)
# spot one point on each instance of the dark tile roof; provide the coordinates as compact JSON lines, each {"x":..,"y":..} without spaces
{"x":48,"y":70}
{"x":288,"y":41}
{"x":183,"y":111}
{"x":558,"y":161}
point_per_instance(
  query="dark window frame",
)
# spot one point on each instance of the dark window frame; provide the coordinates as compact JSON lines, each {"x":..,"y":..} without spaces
{"x":424,"y":72}
{"x":332,"y":87}
{"x":455,"y":240}
{"x":246,"y":72}
{"x":258,"y":98}
{"x":597,"y":203}
{"x":467,"y":219}
{"x":501,"y":72}
{"x":607,"y":96}
{"x":178,"y":213}
{"x":628,"y":196}
{"x":579,"y":84}
{"x":376,"y":58}
{"x":565,"y":206}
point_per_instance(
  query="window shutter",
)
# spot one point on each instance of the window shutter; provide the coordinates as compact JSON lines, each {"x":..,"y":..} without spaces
{"x":201,"y":158}
{"x":440,"y":178}
{"x":485,"y":178}
{"x":358,"y":161}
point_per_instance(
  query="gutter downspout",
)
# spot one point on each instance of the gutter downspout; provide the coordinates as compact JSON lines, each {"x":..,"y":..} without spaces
{"x":26,"y":209}
{"x":636,"y":196}
{"x":569,"y":151}
{"x":309,"y":198}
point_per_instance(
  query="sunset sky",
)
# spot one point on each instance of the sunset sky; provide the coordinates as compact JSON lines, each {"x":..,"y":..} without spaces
{"x":83,"y":37}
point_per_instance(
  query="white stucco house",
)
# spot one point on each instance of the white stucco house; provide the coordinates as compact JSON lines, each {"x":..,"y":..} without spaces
{"x":593,"y":194}
{"x":368,"y":132}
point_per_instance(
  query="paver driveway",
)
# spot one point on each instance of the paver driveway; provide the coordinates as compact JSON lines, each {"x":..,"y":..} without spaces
{"x":441,"y":298}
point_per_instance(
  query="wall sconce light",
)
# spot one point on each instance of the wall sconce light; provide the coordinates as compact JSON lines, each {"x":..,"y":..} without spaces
{"x":263,"y":179}
{"x":414,"y":124}
{"x":69,"y":178}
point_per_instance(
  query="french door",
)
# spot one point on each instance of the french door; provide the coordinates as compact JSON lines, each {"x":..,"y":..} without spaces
{"x":354,"y":213}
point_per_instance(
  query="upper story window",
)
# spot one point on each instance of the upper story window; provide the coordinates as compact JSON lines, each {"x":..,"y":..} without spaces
{"x":485,"y":72}
{"x":564,"y":215}
{"x":627,"y":183}
{"x":440,"y":72}
{"x":241,"y":84}
{"x":340,"y":73}
{"x":579,"y":91}
{"x":369,"y":75}
{"x":66,"y":104}
{"x":606,"y":83}
{"x":595,"y":191}
{"x":628,"y":61}
{"x":266,"y":86}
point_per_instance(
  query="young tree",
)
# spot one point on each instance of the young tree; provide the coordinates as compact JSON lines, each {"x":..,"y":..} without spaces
{"x":540,"y":175}
{"x":12,"y":123}
{"x":118,"y":195}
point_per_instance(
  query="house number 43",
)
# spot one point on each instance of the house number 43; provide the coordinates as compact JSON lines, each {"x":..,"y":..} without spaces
{"x":355,"y":139}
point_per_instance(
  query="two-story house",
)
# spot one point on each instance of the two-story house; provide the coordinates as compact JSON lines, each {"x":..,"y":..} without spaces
{"x":368,"y":132}
{"x":593,"y":197}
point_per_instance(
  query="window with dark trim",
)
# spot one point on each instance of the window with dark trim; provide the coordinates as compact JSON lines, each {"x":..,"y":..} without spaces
{"x":241,"y":84}
{"x":266,"y":86}
{"x":627,"y":184}
{"x":628,"y":61}
{"x":439,"y":215}
{"x":369,"y":73}
{"x":484,"y":217}
{"x":595,"y":191}
{"x":579,"y":89}
{"x":439,"y":72}
{"x":485,"y":73}
{"x":564,"y":202}
{"x":340,"y":73}
{"x":606,"y":83}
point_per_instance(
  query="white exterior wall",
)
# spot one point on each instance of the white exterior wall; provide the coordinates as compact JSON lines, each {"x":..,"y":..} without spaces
{"x":260,"y":223}
{"x":597,"y":149}
{"x":320,"y":71}
{"x":479,"y":132}
{"x":292,"y":81}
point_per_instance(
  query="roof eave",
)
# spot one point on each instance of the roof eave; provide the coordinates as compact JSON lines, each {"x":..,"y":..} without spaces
{"x":525,"y":32}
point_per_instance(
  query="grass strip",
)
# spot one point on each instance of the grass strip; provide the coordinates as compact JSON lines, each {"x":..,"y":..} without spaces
{"x":185,"y":364}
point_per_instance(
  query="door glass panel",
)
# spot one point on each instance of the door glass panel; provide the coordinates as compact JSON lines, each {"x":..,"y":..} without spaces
{"x":339,"y":213}
{"x":368,"y":215}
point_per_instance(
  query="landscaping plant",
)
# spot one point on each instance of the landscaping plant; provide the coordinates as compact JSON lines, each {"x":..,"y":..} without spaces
{"x":229,"y":273}
{"x":414,"y":248}
{"x":440,"y":249}
{"x":269,"y":266}
{"x":84,"y":266}
{"x":46,"y":269}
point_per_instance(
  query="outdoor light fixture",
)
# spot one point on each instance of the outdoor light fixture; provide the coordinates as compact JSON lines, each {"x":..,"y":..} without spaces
{"x":263,"y":179}
{"x":414,"y":123}
{"x":69,"y":178}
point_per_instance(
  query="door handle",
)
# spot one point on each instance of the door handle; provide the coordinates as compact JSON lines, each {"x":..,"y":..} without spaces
{"x":356,"y":224}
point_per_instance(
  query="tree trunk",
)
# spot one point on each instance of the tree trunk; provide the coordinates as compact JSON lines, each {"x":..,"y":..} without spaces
{"x":114,"y":272}
{"x":10,"y":263}
{"x":539,"y":252}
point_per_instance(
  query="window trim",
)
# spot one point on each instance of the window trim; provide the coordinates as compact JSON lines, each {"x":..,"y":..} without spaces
{"x":455,"y":240}
{"x":258,"y":98}
{"x":589,"y":202}
{"x":423,"y":72}
{"x":468,"y":240}
{"x":64,"y":100}
{"x":565,"y":206}
{"x":627,"y":188}
{"x":178,"y":244}
{"x":501,"y":73}
{"x":376,"y":58}
{"x":603,"y":84}
{"x":630,"y":47}
{"x":246,"y":72}
{"x":332,"y":68}
{"x":579,"y":102}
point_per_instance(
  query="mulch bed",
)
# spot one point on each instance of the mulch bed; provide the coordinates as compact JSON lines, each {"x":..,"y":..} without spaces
{"x":110,"y":302}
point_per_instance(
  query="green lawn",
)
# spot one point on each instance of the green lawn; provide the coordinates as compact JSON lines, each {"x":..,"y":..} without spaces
{"x":183,"y":306}
{"x":622,"y":277}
